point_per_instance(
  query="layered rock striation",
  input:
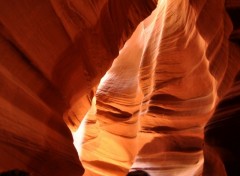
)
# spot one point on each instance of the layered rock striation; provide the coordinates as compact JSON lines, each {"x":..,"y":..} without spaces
{"x":150,"y":85}
{"x":52,"y":54}
{"x":153,"y":104}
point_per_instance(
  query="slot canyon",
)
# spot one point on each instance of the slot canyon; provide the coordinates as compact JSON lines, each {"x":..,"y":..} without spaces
{"x":110,"y":87}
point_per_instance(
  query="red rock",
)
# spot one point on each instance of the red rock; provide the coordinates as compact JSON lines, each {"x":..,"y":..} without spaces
{"x":154,"y":85}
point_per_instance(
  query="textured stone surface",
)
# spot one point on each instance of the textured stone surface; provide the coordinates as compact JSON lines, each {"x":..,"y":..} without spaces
{"x":154,"y":102}
{"x":168,"y":104}
{"x":51,"y":54}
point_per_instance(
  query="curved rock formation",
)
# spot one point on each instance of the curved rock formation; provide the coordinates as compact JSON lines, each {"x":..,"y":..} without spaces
{"x":52,"y":53}
{"x":168,"y":104}
{"x":160,"y":93}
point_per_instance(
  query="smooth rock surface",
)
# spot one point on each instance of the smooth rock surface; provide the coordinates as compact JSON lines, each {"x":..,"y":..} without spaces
{"x":143,"y":84}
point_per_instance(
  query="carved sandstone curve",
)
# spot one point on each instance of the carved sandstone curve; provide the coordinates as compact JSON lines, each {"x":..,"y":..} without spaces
{"x":48,"y":55}
{"x":160,"y":92}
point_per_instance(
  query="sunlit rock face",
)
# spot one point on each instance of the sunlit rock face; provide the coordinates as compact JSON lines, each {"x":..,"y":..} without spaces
{"x":152,"y":106}
{"x":167,"y":102}
{"x":52,"y":55}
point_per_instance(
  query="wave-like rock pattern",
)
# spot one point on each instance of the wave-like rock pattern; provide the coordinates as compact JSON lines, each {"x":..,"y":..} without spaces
{"x":160,"y":93}
{"x":150,"y":111}
{"x":52,"y":53}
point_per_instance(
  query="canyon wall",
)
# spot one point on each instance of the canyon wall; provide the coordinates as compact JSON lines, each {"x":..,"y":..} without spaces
{"x":138,"y":84}
{"x":152,"y":106}
{"x":51,"y":54}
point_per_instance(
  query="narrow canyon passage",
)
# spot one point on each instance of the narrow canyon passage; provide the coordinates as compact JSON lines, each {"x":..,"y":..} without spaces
{"x":159,"y":94}
{"x":103,"y":88}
